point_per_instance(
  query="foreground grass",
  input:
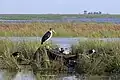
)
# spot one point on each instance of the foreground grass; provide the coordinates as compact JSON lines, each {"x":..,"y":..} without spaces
{"x":106,"y":59}
{"x":62,"y":29}
{"x":27,"y":51}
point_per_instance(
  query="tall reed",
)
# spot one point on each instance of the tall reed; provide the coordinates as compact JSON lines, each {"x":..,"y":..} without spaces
{"x":105,"y":60}
{"x":62,"y":29}
{"x":27,"y":50}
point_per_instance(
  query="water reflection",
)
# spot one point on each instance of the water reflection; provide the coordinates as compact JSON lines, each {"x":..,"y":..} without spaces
{"x":46,"y":75}
{"x":24,"y":75}
{"x":55,"y":76}
{"x":7,"y":74}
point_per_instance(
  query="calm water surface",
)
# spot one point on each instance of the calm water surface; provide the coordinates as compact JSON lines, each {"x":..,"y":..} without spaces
{"x":62,"y":42}
{"x":29,"y":75}
{"x":99,"y":20}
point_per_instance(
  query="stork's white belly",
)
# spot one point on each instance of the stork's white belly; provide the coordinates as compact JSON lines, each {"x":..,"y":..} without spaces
{"x":50,"y":36}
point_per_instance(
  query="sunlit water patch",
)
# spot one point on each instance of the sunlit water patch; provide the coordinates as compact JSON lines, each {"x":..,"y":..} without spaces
{"x":62,"y":42}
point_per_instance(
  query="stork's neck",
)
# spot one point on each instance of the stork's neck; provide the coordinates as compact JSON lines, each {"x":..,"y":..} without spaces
{"x":50,"y":31}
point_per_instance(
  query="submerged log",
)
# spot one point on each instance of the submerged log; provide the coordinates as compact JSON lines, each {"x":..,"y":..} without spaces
{"x":53,"y":54}
{"x":67,"y":60}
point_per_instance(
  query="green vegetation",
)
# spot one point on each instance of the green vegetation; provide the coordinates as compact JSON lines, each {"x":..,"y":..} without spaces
{"x":53,"y":16}
{"x":106,"y":60}
{"x":8,"y":47}
{"x":62,"y":29}
{"x":26,"y":53}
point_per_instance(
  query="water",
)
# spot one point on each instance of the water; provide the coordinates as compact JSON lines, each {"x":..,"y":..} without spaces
{"x":109,"y":20}
{"x":62,"y":42}
{"x":29,"y":75}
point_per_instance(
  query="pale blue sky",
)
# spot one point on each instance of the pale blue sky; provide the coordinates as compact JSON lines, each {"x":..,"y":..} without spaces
{"x":58,"y":6}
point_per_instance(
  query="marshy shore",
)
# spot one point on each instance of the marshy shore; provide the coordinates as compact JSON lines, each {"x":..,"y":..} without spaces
{"x":105,"y":61}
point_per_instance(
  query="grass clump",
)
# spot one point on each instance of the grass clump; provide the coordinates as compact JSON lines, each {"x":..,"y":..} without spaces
{"x":105,"y":60}
{"x":27,"y":51}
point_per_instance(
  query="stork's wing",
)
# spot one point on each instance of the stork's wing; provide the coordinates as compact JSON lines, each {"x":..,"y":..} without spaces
{"x":46,"y":36}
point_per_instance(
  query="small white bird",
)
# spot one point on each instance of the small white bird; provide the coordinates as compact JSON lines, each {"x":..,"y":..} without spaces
{"x":92,"y":51}
{"x":47,"y":35}
{"x":66,"y":51}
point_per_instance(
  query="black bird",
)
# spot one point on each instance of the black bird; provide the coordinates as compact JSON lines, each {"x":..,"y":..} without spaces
{"x":92,"y":51}
{"x":15,"y":54}
{"x":47,"y":35}
{"x":61,"y":50}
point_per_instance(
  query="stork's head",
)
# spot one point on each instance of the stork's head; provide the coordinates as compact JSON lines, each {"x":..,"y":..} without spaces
{"x":51,"y":29}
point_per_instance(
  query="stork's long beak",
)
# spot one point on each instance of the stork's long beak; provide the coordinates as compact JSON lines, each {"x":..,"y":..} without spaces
{"x":54,"y":31}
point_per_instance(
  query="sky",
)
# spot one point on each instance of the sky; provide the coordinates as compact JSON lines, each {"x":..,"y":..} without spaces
{"x":58,"y":6}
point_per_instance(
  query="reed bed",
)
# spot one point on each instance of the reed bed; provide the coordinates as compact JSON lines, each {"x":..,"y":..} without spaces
{"x":27,"y":50}
{"x":106,"y":60}
{"x":102,"y":30}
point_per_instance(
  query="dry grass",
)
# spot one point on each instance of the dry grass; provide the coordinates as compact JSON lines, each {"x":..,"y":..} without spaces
{"x":62,"y":29}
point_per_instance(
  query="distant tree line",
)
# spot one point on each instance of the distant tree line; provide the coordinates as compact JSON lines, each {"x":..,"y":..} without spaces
{"x":86,"y":12}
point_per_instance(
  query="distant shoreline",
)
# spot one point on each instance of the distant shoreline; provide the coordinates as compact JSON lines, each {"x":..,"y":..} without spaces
{"x":54,"y":16}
